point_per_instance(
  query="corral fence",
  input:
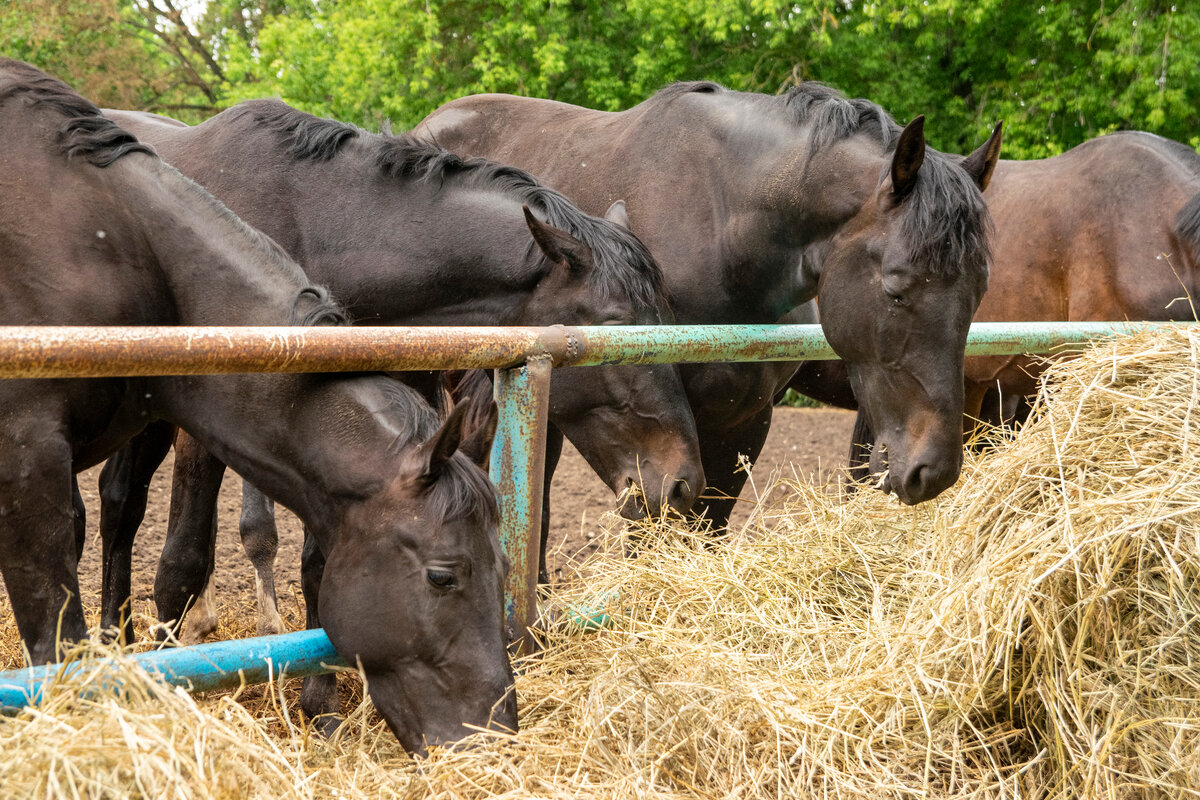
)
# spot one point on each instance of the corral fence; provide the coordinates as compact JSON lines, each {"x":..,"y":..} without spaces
{"x":523,"y":358}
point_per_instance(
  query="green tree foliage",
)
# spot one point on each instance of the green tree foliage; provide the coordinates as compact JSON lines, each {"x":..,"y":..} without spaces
{"x":88,"y":43}
{"x":370,"y":60}
{"x":1057,"y":73}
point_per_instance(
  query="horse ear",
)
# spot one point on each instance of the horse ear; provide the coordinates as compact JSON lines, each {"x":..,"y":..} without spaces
{"x":618,"y":215}
{"x":480,"y":430}
{"x":558,"y":245}
{"x":910,"y":154}
{"x":980,"y":164}
{"x":435,"y":452}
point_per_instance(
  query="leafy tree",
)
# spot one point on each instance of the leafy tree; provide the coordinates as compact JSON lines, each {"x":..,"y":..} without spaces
{"x":86,"y":44}
{"x":1058,"y":73}
{"x":370,"y":60}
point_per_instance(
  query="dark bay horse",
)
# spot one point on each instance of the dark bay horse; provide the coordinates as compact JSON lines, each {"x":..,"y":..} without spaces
{"x":1109,"y":230}
{"x":404,"y":232}
{"x":754,"y":204}
{"x":96,"y":230}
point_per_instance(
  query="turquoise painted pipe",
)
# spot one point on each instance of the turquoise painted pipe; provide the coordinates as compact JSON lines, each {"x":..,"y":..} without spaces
{"x":518,"y":466}
{"x":203,"y":667}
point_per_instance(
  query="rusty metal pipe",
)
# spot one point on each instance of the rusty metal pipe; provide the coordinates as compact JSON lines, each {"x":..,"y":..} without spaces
{"x":100,"y":352}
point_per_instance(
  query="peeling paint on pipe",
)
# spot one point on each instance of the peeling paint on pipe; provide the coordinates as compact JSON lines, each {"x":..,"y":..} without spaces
{"x":95,"y":352}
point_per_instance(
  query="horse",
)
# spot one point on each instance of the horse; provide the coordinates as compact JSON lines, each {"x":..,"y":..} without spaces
{"x":755,"y":204}
{"x":406,"y":233}
{"x":1108,"y":230}
{"x":95,"y":229}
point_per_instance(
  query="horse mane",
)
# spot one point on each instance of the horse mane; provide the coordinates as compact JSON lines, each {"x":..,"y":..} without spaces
{"x":85,"y":131}
{"x":462,"y":489}
{"x":1187,"y":229}
{"x":623,"y":265}
{"x":944,"y":213}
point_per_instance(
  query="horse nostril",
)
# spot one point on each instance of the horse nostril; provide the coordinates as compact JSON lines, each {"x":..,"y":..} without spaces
{"x":925,"y":482}
{"x":681,"y":496}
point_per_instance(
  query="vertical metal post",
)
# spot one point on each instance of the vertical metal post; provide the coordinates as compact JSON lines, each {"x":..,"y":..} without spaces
{"x":518,"y":470}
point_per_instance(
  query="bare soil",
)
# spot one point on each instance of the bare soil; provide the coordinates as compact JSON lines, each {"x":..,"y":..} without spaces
{"x":810,"y":444}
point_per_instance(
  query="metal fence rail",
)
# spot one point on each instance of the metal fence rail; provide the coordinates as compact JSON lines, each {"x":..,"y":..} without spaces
{"x":523,"y":357}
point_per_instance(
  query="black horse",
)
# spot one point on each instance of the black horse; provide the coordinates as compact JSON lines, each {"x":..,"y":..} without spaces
{"x":404,"y":232}
{"x":755,"y":204}
{"x":96,"y":230}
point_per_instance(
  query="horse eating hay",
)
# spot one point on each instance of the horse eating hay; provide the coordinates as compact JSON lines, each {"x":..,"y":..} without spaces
{"x":756,"y":204}
{"x":409,"y":234}
{"x":96,"y":230}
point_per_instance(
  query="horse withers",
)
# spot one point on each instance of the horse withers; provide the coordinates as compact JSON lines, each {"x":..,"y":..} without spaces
{"x":96,"y":230}
{"x":755,"y":204}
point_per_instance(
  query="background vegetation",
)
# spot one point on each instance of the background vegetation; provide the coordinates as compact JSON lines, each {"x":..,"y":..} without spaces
{"x":1058,"y":73}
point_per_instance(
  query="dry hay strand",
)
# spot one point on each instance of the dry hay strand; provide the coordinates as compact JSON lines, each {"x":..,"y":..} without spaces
{"x":1029,"y":634}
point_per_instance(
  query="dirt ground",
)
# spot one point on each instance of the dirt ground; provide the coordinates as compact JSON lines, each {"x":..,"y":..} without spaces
{"x":807,"y":443}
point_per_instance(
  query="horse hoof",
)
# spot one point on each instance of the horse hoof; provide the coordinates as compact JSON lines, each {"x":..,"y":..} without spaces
{"x":326,"y":725}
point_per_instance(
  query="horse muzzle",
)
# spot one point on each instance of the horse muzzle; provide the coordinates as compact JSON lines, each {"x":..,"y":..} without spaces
{"x":920,"y":479}
{"x":671,"y":495}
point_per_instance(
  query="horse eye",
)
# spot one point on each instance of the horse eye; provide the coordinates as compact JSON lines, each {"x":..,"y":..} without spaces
{"x":441,"y":578}
{"x":896,"y":299}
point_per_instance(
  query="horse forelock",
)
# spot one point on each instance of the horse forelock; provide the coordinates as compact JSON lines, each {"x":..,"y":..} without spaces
{"x":462,"y":489}
{"x":946,"y":220}
{"x":85,"y":131}
{"x":623,"y":265}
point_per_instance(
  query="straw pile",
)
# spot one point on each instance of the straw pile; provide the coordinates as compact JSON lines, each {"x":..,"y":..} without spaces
{"x":1033,"y":633}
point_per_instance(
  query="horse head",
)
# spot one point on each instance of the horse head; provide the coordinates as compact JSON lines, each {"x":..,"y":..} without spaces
{"x":898,"y":286}
{"x":632,"y":424}
{"x":413,"y":591}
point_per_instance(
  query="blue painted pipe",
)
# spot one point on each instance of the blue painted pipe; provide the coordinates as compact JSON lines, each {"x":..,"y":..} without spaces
{"x":216,"y":665}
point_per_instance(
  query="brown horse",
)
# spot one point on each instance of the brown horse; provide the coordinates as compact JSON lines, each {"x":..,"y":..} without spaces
{"x":96,"y":230}
{"x":409,"y":234}
{"x":1109,"y":230}
{"x":755,"y":204}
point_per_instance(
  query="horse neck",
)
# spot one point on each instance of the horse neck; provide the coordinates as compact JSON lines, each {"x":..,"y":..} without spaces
{"x":781,"y":202}
{"x":317,"y":444}
{"x":218,"y":271}
{"x":393,"y":250}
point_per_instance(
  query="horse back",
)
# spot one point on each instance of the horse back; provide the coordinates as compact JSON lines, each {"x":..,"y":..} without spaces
{"x":1105,"y":231}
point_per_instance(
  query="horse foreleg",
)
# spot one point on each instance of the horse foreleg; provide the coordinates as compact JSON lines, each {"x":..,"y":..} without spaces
{"x":722,"y":454}
{"x":80,"y":519}
{"x":260,"y":540}
{"x":124,"y":487}
{"x":554,"y":446}
{"x":37,"y":535}
{"x":187,"y":556}
{"x":318,"y":694}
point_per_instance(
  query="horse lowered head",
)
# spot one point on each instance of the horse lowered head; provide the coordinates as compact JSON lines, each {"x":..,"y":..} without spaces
{"x":412,"y":591}
{"x":632,"y":424}
{"x":925,"y":270}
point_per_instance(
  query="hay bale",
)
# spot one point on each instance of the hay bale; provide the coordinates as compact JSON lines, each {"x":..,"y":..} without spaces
{"x":1032,"y":633}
